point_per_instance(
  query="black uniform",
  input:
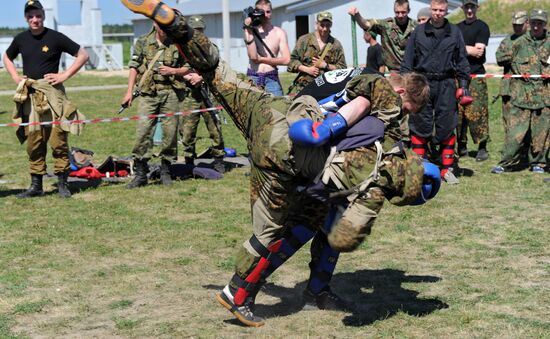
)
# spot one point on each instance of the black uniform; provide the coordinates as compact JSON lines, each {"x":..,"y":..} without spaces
{"x":439,"y":54}
{"x":41,"y":53}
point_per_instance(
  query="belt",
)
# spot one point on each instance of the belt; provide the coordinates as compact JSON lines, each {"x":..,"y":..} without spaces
{"x":439,"y":76}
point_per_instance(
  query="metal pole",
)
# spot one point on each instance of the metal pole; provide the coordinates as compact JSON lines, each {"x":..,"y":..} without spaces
{"x":354,"y":42}
{"x":226,"y":31}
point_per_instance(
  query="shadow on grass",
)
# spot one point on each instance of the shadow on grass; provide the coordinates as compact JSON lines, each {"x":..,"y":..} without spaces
{"x":376,"y":295}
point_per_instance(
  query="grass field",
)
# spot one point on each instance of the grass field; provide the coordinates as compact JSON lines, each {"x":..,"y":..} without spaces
{"x":110,"y":262}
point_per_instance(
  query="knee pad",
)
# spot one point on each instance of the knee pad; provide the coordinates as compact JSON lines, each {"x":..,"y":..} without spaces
{"x":298,"y":236}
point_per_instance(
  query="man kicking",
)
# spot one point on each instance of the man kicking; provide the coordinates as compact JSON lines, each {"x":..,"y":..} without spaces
{"x":306,"y":162}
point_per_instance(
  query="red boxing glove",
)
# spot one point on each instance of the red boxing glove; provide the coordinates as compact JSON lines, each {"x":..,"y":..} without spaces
{"x":463,"y":94}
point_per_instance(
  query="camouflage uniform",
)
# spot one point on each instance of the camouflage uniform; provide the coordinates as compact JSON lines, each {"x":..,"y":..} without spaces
{"x":189,"y":125}
{"x":305,"y":50}
{"x":529,"y":116}
{"x":393,"y":40}
{"x":504,"y":57}
{"x":278,"y":166}
{"x":160,"y":94}
{"x":475,"y":116}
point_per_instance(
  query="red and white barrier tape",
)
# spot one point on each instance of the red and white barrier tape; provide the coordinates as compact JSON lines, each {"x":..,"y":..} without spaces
{"x":504,"y":76}
{"x":115,"y":119}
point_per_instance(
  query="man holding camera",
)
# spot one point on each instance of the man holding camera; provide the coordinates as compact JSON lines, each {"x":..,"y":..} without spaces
{"x":266,"y":45}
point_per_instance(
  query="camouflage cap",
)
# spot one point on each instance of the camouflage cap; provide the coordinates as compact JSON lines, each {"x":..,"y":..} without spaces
{"x":324,"y":16}
{"x":33,"y":4}
{"x":539,"y":14}
{"x":196,"y":21}
{"x":467,"y":2}
{"x":519,"y":18}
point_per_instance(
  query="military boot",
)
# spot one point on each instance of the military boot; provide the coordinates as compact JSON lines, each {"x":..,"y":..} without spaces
{"x":63,"y":185}
{"x":36,"y":188}
{"x":140,"y":178}
{"x":165,"y":175}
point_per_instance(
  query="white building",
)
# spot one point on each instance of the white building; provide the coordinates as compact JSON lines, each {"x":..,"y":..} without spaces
{"x":296,"y":17}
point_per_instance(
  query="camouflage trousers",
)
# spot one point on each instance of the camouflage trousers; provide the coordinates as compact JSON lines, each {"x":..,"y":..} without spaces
{"x":37,"y":149}
{"x":189,"y":125}
{"x":165,"y":101}
{"x":475,"y":116}
{"x":527,"y":134}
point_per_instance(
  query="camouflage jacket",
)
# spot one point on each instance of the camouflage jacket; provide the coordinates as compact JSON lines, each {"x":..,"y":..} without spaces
{"x":530,"y":56}
{"x":393,"y":40}
{"x":145,"y":49}
{"x":504,"y":59}
{"x":306,"y":48}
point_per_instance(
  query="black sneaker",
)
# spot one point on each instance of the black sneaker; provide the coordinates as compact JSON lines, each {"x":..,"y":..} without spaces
{"x":482,"y":155}
{"x":243,"y":313}
{"x":325,"y":300}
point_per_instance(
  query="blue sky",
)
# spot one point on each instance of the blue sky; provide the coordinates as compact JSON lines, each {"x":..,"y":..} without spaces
{"x":112,"y":11}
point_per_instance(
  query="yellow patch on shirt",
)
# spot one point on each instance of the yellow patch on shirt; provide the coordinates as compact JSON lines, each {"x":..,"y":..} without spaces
{"x":45,"y":49}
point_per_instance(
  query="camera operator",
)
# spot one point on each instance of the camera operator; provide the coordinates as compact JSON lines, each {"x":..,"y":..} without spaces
{"x":266,"y":45}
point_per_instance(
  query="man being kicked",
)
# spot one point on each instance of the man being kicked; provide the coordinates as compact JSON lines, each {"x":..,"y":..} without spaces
{"x":262,"y":68}
{"x":310,"y":153}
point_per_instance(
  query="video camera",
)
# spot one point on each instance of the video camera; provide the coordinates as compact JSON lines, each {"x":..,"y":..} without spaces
{"x":257,"y":15}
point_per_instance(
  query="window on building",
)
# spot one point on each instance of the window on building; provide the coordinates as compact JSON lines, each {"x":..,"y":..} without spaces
{"x":302,"y":25}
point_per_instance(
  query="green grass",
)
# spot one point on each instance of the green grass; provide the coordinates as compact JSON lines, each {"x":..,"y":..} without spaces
{"x":474,"y":262}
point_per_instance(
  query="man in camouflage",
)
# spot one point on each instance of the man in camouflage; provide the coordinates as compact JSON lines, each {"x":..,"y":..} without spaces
{"x":156,"y":69}
{"x":520,"y":25}
{"x":289,"y":179}
{"x":394,"y":32}
{"x":199,"y":97}
{"x":315,"y":53}
{"x":474,"y":117}
{"x":528,"y":118}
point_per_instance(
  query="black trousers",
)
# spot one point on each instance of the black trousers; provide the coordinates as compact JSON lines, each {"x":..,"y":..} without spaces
{"x":439,"y":117}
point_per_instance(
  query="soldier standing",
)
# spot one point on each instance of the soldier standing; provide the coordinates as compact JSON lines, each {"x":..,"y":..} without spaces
{"x":41,"y":49}
{"x":475,"y":116}
{"x":199,"y":97}
{"x":436,"y":49}
{"x":504,"y":58}
{"x":156,"y":67}
{"x":315,"y":53}
{"x":394,"y":32}
{"x":529,"y":114}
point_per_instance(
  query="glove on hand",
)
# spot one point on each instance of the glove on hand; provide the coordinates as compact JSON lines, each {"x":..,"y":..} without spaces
{"x":463,"y":94}
{"x":305,"y":132}
{"x":430,"y":184}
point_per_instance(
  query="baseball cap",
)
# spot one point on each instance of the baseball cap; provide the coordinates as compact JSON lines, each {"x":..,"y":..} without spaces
{"x":539,"y":14}
{"x":33,"y":4}
{"x":196,"y":21}
{"x":519,"y":18}
{"x":324,"y":16}
{"x":467,"y":2}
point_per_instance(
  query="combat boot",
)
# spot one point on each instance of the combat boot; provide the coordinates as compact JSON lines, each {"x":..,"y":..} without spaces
{"x":154,"y":9}
{"x":140,"y":178}
{"x":165,"y":175}
{"x":36,"y":188}
{"x":63,"y":185}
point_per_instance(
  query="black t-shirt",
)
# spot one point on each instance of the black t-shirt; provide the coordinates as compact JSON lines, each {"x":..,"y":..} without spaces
{"x":374,"y":58}
{"x":331,"y":82}
{"x":475,"y":32}
{"x":41,"y":53}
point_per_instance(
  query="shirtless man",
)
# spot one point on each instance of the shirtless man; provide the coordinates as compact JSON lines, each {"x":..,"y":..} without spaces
{"x":262,"y":68}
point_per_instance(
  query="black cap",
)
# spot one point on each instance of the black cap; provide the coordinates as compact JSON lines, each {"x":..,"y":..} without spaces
{"x":33,"y":4}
